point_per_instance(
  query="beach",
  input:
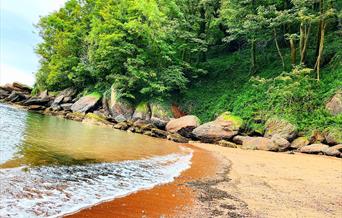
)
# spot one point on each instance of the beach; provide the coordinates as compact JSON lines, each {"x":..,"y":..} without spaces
{"x":226,"y":182}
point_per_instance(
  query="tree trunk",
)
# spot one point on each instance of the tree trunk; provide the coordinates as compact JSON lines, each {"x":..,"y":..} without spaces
{"x":319,"y":28}
{"x":320,"y":51}
{"x":293,"y":52}
{"x":278,"y":49}
{"x":304,"y":41}
{"x":253,"y":58}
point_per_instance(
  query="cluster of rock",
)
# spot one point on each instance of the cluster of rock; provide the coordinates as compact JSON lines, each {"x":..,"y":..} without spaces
{"x":169,"y":122}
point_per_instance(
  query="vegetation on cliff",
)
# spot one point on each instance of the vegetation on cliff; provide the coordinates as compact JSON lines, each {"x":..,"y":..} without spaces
{"x":257,"y":59}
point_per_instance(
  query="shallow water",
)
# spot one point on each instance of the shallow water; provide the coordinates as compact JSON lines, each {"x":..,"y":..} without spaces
{"x":50,"y":166}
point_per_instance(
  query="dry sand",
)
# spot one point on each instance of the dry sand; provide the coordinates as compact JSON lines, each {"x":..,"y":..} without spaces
{"x":281,"y":184}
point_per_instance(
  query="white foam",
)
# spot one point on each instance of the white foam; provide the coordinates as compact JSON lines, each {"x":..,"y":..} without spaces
{"x":53,"y":191}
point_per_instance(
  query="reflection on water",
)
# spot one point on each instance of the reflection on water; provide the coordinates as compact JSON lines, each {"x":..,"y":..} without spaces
{"x":50,"y":166}
{"x":52,"y":140}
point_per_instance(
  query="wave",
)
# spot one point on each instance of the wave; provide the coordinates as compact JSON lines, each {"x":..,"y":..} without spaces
{"x":54,"y":191}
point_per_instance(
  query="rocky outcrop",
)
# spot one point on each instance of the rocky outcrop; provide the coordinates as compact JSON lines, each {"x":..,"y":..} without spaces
{"x":280,"y":127}
{"x":161,"y":114}
{"x":299,"y":142}
{"x":334,"y":105}
{"x":16,"y":97}
{"x":314,"y":149}
{"x":118,"y":107}
{"x":333,"y":136}
{"x":183,"y":126}
{"x":63,"y":97}
{"x":142,"y":111}
{"x":225,"y":127}
{"x":21,"y":87}
{"x":4,"y":93}
{"x":86,"y":104}
{"x":43,"y":98}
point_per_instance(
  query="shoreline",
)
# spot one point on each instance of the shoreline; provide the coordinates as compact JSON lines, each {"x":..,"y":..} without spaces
{"x":180,"y":198}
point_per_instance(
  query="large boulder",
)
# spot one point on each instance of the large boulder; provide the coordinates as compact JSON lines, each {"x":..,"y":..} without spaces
{"x":314,"y":149}
{"x":225,"y":127}
{"x":276,"y":143}
{"x":184,"y":125}
{"x":86,"y":103}
{"x":142,"y":111}
{"x":119,"y":106}
{"x":299,"y":142}
{"x":22,"y":87}
{"x":333,"y":136}
{"x":334,"y":150}
{"x":334,"y":105}
{"x":64,"y":96}
{"x":15,"y":97}
{"x":280,"y":127}
{"x":4,"y":93}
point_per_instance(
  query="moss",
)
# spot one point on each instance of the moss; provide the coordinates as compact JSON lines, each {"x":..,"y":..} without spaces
{"x":142,"y":107}
{"x":95,"y":117}
{"x":236,"y":120}
{"x":95,"y":94}
{"x":161,"y":110}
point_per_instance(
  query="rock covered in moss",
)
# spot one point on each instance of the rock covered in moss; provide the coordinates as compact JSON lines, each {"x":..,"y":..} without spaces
{"x":224,"y":127}
{"x":77,"y":116}
{"x":95,"y":119}
{"x":183,"y":126}
{"x":161,"y":114}
{"x":299,"y":142}
{"x":142,"y":111}
{"x":280,"y":127}
{"x":177,"y":138}
{"x":334,"y":105}
{"x":333,"y":136}
{"x":228,"y":144}
{"x":87,"y":103}
{"x":120,"y":107}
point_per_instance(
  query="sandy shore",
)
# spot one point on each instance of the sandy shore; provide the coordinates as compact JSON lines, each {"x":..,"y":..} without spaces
{"x":281,"y":184}
{"x":225,"y":182}
{"x":176,"y":199}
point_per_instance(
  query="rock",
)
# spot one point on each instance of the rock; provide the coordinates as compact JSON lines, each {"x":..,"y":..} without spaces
{"x":131,"y":129}
{"x":56,"y":107}
{"x":177,"y":138}
{"x":66,"y":106}
{"x":4,"y":93}
{"x":142,"y":125}
{"x":239,"y":139}
{"x":333,"y":136}
{"x":281,"y":143}
{"x":44,"y":95}
{"x":77,"y":116}
{"x":213,"y":132}
{"x":225,"y":127}
{"x":121,"y":126}
{"x":95,"y":119}
{"x":334,"y":150}
{"x":281,"y":127}
{"x":37,"y":101}
{"x":142,"y":111}
{"x":183,"y":125}
{"x":299,"y":142}
{"x":36,"y":108}
{"x":259,"y":143}
{"x":22,"y":87}
{"x":87,"y":103}
{"x":228,"y":144}
{"x":314,"y":149}
{"x":316,"y":137}
{"x":118,"y":106}
{"x":161,"y":114}
{"x":334,"y":106}
{"x":159,"y":133}
{"x":58,"y":100}
{"x":120,"y":118}
{"x":15,"y":97}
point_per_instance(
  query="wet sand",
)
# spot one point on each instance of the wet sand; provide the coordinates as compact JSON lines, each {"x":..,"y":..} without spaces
{"x":281,"y":184}
{"x":176,"y":199}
